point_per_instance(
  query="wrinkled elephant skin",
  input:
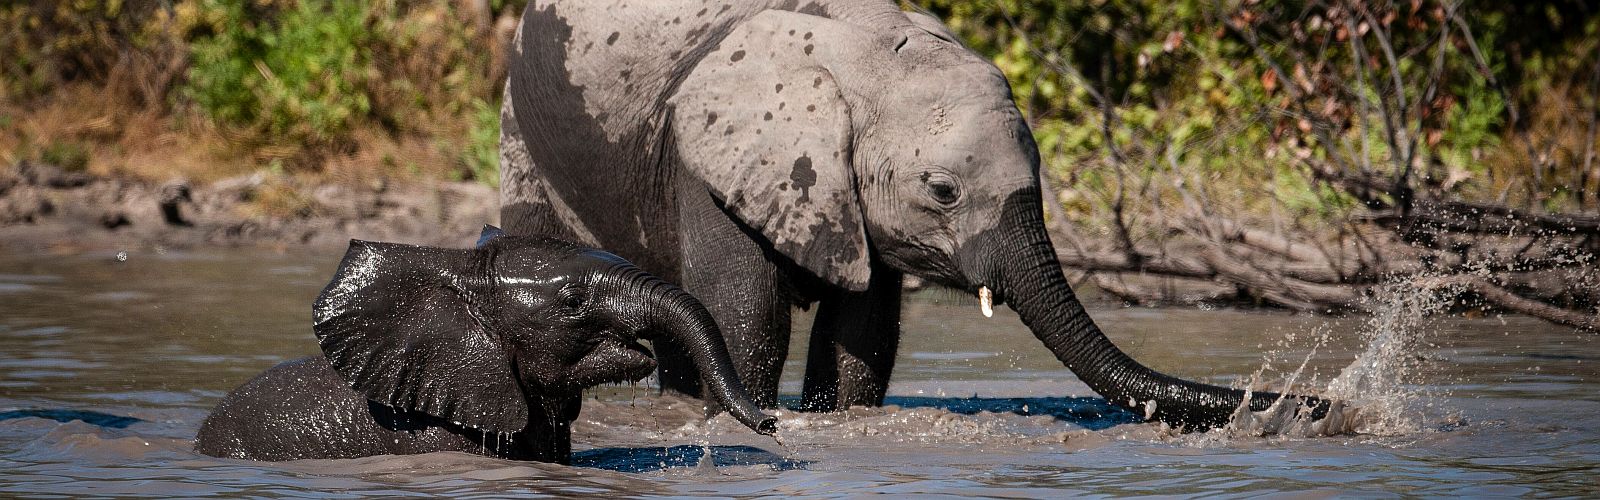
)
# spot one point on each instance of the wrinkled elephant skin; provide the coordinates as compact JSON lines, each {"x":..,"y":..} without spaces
{"x":781,"y":153}
{"x":484,"y":350}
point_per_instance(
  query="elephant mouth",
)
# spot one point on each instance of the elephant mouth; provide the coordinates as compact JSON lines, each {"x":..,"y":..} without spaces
{"x":614,"y":360}
{"x":635,"y":346}
{"x":628,"y":342}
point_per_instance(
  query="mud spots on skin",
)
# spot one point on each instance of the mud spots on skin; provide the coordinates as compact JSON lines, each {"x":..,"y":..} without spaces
{"x":803,"y":176}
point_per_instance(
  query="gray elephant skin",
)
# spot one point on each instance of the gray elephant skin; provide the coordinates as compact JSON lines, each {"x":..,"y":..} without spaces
{"x":770,"y":154}
{"x":483,"y":350}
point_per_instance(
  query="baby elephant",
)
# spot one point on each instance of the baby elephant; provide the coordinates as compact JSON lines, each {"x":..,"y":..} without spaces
{"x":483,"y":350}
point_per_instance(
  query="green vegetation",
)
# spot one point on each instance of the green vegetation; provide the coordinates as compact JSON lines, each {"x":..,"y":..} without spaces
{"x":402,"y":88}
{"x":302,"y":78}
{"x":482,"y":152}
{"x":1261,"y":107}
{"x":1249,"y":106}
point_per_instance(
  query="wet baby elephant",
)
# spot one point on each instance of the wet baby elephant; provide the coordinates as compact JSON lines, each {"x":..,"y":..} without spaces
{"x":483,"y":350}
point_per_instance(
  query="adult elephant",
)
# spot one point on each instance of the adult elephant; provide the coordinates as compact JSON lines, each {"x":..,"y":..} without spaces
{"x":766,"y":154}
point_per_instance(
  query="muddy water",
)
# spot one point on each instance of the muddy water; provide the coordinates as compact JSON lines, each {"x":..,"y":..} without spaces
{"x":1486,"y":406}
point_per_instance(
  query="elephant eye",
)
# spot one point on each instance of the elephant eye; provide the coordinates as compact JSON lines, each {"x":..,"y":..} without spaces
{"x":944,"y":191}
{"x":573,"y":298}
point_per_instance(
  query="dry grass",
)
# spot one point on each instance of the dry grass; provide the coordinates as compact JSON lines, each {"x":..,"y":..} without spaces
{"x":1545,"y":164}
{"x":80,"y":128}
{"x":112,"y":137}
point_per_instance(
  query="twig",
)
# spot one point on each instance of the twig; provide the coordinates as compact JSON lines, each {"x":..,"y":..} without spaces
{"x":1478,"y":218}
{"x":1512,"y":302}
{"x":1588,"y":140}
{"x":1394,"y":122}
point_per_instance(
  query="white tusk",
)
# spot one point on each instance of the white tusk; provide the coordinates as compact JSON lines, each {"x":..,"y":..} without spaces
{"x":986,"y":301}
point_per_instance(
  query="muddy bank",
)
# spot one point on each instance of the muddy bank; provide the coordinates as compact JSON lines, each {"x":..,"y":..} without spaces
{"x":46,"y":209}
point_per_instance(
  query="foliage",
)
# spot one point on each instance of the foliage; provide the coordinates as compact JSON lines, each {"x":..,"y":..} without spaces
{"x":307,"y":85}
{"x":68,"y":155}
{"x":302,"y":75}
{"x":482,"y":152}
{"x":127,"y":45}
{"x":1149,"y":104}
{"x":1134,"y":103}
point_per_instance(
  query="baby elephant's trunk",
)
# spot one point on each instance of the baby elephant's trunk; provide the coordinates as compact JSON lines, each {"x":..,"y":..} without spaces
{"x":683,"y":318}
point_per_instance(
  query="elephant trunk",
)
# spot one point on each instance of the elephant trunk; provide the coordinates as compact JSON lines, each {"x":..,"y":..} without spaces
{"x":682,"y":317}
{"x":1030,"y":277}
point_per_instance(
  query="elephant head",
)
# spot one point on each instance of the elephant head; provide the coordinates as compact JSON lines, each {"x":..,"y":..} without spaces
{"x":474,"y":336}
{"x":844,"y":143}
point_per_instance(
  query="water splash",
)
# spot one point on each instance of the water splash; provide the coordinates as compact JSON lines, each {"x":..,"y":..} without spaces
{"x":1384,"y":379}
{"x":1380,"y":392}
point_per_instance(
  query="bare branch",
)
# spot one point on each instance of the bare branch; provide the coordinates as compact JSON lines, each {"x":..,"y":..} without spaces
{"x":1512,"y":302}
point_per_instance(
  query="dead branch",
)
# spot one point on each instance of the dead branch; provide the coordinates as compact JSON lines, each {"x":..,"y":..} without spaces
{"x":1231,"y":230}
{"x":1482,"y":218}
{"x":1410,"y":226}
{"x":1504,"y":299}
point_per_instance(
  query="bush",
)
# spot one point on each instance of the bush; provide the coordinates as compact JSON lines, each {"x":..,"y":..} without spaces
{"x":482,"y":153}
{"x":302,"y":76}
{"x":296,"y":79}
{"x":49,"y":44}
{"x":1149,"y":102}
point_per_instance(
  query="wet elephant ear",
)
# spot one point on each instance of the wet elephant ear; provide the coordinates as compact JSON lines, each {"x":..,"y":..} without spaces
{"x":396,"y":325}
{"x":762,"y":122}
{"x":489,"y":234}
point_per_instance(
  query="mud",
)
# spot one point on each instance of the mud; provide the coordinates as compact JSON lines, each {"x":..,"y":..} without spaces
{"x":43,"y":208}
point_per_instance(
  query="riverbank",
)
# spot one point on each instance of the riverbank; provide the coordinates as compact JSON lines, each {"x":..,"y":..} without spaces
{"x":47,"y":209}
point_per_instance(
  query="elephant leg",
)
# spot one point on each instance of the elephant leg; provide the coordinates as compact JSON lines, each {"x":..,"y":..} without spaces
{"x":742,"y":286}
{"x":853,"y":344}
{"x":528,"y":204}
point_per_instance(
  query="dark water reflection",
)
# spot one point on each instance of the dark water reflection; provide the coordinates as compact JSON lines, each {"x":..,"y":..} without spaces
{"x":1507,"y":406}
{"x":1091,"y":413}
{"x":87,"y":416}
{"x":659,"y":458}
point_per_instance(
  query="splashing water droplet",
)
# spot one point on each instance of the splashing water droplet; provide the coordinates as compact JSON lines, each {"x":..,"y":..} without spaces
{"x":1382,"y":379}
{"x":1379,"y":392}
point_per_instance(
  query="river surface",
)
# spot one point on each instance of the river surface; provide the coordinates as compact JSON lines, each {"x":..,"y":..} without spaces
{"x":108,"y":366}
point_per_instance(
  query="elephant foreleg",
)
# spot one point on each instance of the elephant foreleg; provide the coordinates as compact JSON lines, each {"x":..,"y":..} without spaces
{"x":853,"y":345}
{"x":745,"y":290}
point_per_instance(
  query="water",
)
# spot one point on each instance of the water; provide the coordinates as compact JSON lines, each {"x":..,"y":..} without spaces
{"x":1468,"y":406}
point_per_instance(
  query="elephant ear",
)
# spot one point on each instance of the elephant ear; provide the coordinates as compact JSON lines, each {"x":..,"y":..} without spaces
{"x":932,"y":25}
{"x":396,"y":325}
{"x":489,"y":234}
{"x":762,"y":122}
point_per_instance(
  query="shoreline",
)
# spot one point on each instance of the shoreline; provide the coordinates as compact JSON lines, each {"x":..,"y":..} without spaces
{"x":50,"y":211}
{"x":44,"y":209}
{"x":47,"y":210}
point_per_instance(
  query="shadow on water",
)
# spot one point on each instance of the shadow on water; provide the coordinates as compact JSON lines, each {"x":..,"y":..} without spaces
{"x":655,"y":459}
{"x":91,"y":417}
{"x":1089,"y":413}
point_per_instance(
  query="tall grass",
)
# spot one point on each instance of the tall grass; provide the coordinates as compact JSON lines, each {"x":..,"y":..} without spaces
{"x":333,"y":88}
